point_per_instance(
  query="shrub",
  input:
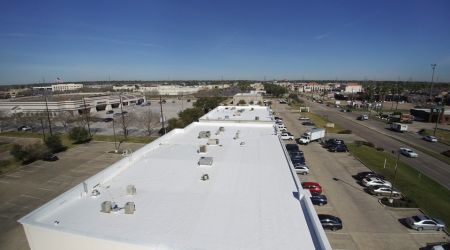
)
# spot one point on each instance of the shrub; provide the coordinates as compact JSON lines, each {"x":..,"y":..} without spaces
{"x":369,"y":144}
{"x":28,"y":153}
{"x":54,"y":144}
{"x":79,"y":135}
{"x":401,"y":203}
{"x":18,"y":152}
{"x":345,"y":131}
{"x":379,"y":149}
{"x":446,"y":153}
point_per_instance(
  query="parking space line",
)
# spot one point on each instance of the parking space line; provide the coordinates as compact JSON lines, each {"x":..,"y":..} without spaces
{"x":46,"y":189}
{"x":30,"y":196}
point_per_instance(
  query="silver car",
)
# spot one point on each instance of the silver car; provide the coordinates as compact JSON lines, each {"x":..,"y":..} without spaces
{"x":383,"y":191}
{"x":423,"y":222}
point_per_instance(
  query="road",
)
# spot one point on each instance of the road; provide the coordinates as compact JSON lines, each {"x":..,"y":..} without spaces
{"x":376,"y":133}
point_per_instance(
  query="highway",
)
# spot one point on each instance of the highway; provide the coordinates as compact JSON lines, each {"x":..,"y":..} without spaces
{"x":376,"y":133}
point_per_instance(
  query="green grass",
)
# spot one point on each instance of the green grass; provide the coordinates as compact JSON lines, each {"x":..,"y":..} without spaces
{"x":321,"y":122}
{"x":119,"y":138}
{"x":433,"y":198}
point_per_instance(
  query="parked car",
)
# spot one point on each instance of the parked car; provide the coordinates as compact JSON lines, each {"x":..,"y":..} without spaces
{"x":423,"y":222}
{"x":338,"y":148}
{"x":287,"y":136}
{"x":408,"y":152}
{"x":361,"y":175}
{"x":319,"y":199}
{"x":298,"y":160}
{"x":24,"y":128}
{"x":108,"y":119}
{"x":291,"y":147}
{"x":278,"y":119}
{"x":430,"y":138}
{"x":332,"y":142}
{"x":330,"y":222}
{"x":50,"y":157}
{"x":313,"y":187}
{"x":308,"y":123}
{"x":110,"y":111}
{"x":301,"y":169}
{"x":303,"y":118}
{"x":374,"y":181}
{"x":383,"y":191}
{"x":294,"y":154}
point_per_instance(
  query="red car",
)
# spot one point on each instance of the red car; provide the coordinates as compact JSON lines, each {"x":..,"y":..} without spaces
{"x":313,"y":187}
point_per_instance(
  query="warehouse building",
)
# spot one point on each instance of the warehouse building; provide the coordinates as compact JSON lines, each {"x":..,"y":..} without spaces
{"x":224,"y":182}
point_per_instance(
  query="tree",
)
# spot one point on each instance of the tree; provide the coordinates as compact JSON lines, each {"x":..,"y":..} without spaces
{"x":3,"y":119}
{"x":79,"y":135}
{"x":190,"y":115}
{"x":126,"y":120}
{"x":241,"y":102}
{"x":54,"y":144}
{"x":148,"y":121}
{"x":208,"y":103}
{"x":275,"y":90}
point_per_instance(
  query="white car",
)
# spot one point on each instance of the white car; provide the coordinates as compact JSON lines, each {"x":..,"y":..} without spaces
{"x":301,"y":169}
{"x":430,"y":138}
{"x":303,"y":118}
{"x":408,"y":152}
{"x":374,"y":181}
{"x":287,"y":136}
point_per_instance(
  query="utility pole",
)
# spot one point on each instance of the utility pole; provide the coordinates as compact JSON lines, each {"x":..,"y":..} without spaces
{"x":433,"y":66}
{"x":48,"y":116}
{"x":162,"y":115}
{"x":114,"y":132}
{"x":125,"y":132}
{"x":87,"y":117}
{"x":395,"y":176}
{"x":42,"y":126}
{"x":437,"y":119}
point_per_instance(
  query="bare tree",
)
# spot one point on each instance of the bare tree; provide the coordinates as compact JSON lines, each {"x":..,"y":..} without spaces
{"x":148,"y":121}
{"x":3,"y":119}
{"x":126,"y":120}
{"x":65,"y":118}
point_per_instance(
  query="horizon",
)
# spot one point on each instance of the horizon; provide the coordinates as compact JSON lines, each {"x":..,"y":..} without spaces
{"x":180,"y":41}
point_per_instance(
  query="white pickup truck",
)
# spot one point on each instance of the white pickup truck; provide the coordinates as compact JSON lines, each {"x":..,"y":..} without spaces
{"x":312,"y":135}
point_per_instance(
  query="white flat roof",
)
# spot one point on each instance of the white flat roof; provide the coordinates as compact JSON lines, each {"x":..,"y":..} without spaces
{"x":250,"y":201}
{"x":239,"y":113}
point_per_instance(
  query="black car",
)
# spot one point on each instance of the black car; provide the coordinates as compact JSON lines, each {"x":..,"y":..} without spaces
{"x":308,"y":123}
{"x":50,"y":157}
{"x":298,"y":161}
{"x":338,"y":148}
{"x":319,"y":200}
{"x":368,"y":174}
{"x":333,"y":142}
{"x":330,"y":222}
{"x":294,"y":154}
{"x":291,"y":147}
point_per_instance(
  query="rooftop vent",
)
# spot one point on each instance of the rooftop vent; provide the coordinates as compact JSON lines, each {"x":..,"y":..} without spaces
{"x":129,"y":207}
{"x":204,"y":134}
{"x":256,"y":118}
{"x":221,"y":129}
{"x":236,"y":136}
{"x":131,"y":190}
{"x":202,"y":149}
{"x":227,"y":117}
{"x":204,"y":177}
{"x":213,"y":142}
{"x":205,"y":161}
{"x":95,"y":193}
{"x":106,"y":207}
{"x":252,"y":109}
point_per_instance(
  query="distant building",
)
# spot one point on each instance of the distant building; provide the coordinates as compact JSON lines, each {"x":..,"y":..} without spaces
{"x":249,"y":98}
{"x":351,"y":87}
{"x":60,"y":87}
{"x":431,"y":115}
{"x":314,"y":87}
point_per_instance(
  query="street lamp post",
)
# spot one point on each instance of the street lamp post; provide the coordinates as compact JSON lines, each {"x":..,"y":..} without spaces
{"x":433,"y":66}
{"x":395,"y":177}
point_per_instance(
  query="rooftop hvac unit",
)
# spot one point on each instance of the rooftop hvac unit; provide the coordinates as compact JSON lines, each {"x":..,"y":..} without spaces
{"x":213,"y":142}
{"x":202,"y":149}
{"x":129,"y":207}
{"x":106,"y":207}
{"x":131,"y":190}
{"x":256,"y":118}
{"x":205,"y":161}
{"x":204,"y":134}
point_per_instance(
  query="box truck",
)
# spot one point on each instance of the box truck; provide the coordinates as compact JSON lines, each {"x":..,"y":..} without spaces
{"x":312,"y":135}
{"x":399,"y":127}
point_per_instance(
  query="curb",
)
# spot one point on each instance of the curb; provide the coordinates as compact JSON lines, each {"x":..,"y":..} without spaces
{"x":399,"y":208}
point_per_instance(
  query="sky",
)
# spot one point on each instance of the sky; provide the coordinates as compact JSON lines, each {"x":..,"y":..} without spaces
{"x":192,"y":40}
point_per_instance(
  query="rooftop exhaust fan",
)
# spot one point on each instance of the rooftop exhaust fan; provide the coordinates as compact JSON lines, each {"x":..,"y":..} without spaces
{"x":202,"y":149}
{"x":106,"y":207}
{"x":213,"y":142}
{"x":205,"y":177}
{"x":256,"y":118}
{"x":129,"y":207}
{"x":95,"y":193}
{"x":131,"y":190}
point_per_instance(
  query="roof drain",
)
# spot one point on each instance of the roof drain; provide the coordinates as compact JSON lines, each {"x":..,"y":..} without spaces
{"x":204,"y":177}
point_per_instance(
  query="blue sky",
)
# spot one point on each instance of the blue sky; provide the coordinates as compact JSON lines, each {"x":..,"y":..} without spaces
{"x":161,"y":40}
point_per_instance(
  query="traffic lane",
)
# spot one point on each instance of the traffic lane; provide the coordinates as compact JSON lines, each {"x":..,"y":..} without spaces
{"x":409,"y":137}
{"x":426,"y":164}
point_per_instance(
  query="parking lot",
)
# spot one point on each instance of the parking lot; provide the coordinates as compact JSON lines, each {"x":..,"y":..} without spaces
{"x":31,"y":186}
{"x":367,"y":224}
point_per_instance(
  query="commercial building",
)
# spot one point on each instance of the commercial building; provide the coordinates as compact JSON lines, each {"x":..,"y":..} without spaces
{"x":248,"y":98}
{"x":217,"y":184}
{"x":72,"y":104}
{"x":431,"y":115}
{"x":351,"y":87}
{"x":62,"y":87}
